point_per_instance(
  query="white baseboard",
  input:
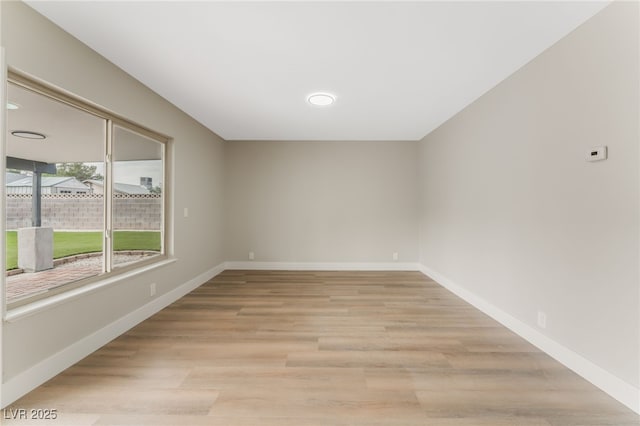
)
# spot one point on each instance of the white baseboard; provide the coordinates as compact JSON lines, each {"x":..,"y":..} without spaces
{"x":617,"y":388}
{"x":324,"y":266}
{"x":25,"y":382}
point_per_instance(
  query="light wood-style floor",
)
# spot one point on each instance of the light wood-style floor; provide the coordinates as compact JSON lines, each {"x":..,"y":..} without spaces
{"x":322,"y":348}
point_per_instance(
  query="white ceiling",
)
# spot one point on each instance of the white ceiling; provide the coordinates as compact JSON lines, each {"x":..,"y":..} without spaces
{"x":244,"y":69}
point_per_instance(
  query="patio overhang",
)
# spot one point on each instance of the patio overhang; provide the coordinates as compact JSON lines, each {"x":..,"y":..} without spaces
{"x":37,"y":168}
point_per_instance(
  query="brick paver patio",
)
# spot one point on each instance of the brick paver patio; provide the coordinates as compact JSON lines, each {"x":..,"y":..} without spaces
{"x":24,"y":284}
{"x":27,"y":284}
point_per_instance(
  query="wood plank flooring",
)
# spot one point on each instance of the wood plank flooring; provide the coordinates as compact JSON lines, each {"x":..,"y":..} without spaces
{"x":322,"y":348}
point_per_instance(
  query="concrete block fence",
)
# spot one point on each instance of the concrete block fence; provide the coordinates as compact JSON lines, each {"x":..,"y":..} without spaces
{"x":84,"y":212}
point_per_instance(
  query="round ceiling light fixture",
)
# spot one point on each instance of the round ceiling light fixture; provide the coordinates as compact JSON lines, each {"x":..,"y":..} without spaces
{"x":27,"y":134}
{"x":321,"y":99}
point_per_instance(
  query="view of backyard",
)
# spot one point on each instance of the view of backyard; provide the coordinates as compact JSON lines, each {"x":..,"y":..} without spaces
{"x":65,"y":186}
{"x":72,"y":243}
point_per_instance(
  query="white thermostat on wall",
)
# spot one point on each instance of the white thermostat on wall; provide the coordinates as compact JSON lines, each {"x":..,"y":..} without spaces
{"x":597,"y":153}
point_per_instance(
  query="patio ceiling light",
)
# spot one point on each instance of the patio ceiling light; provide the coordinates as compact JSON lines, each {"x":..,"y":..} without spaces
{"x":27,"y":134}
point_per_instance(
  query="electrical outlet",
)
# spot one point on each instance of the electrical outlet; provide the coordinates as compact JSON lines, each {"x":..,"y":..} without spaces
{"x":542,"y":319}
{"x":597,"y":153}
{"x":152,"y":289}
{"x":395,"y":256}
{"x":185,"y":212}
{"x":251,"y":255}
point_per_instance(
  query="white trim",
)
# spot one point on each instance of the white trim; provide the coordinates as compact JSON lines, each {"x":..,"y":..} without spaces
{"x":3,"y":214}
{"x":617,"y":388}
{"x":28,"y":380}
{"x":324,"y":266}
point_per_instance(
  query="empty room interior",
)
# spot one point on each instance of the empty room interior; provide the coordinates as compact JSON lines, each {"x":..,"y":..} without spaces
{"x":320,"y":213}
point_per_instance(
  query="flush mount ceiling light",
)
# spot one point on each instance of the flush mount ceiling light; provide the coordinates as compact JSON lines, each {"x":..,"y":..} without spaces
{"x":11,"y":105}
{"x":27,"y":134}
{"x":321,"y":99}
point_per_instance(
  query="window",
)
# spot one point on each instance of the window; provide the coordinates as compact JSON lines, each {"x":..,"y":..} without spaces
{"x":137,"y":209}
{"x":85,"y":193}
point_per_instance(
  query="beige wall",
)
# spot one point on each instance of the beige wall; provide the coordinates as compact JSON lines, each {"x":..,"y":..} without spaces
{"x":322,"y":201}
{"x":37,"y":47}
{"x":513,"y":213}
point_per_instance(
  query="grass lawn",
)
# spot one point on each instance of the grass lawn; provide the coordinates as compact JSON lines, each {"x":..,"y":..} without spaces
{"x":70,"y":243}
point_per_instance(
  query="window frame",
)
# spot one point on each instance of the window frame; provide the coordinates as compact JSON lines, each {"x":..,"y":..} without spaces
{"x":110,"y":272}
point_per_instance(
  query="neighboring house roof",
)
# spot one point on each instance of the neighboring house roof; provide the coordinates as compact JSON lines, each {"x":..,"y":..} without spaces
{"x":12,"y":177}
{"x":121,"y":188}
{"x":49,"y":181}
{"x":126,"y":188}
